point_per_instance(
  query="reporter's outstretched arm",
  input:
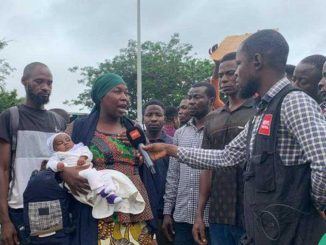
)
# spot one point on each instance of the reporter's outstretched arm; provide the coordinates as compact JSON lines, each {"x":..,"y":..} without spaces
{"x":159,"y":150}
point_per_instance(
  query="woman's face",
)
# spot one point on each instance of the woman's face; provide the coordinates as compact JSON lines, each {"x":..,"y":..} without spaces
{"x":115,"y":102}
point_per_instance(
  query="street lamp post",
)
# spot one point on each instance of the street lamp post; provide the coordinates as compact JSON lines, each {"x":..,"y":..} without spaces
{"x":139,"y":74}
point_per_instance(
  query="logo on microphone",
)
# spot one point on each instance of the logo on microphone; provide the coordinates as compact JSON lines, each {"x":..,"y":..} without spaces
{"x":134,"y":134}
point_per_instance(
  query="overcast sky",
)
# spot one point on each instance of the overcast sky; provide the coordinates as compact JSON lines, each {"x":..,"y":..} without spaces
{"x":65,"y":33}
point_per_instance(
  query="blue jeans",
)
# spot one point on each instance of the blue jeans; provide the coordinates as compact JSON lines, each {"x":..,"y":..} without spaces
{"x":183,"y":234}
{"x":221,"y":234}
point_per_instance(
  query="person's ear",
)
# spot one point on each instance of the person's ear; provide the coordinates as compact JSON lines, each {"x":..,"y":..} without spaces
{"x":23,"y":81}
{"x":258,"y":61}
{"x":211,"y":102}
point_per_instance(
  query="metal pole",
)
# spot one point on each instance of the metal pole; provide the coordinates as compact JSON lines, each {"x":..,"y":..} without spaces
{"x":139,"y":75}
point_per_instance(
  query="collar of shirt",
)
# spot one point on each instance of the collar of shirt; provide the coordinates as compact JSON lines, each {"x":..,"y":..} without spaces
{"x":262,"y":102}
{"x":162,"y":138}
{"x":191,"y":123}
{"x":248,"y":103}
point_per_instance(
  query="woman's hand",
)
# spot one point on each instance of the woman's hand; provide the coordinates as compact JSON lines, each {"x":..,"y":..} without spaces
{"x":76,"y":183}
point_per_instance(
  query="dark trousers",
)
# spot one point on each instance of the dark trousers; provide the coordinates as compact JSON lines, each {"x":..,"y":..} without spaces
{"x":183,"y":234}
{"x":17,"y":218}
{"x":221,"y":234}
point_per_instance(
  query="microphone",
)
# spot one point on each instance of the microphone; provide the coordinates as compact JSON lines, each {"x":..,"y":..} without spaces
{"x":137,"y":139}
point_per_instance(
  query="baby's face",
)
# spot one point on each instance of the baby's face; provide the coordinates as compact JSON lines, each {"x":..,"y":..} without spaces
{"x":62,"y":142}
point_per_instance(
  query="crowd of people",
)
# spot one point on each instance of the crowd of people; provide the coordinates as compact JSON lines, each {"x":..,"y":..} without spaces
{"x":249,"y":171}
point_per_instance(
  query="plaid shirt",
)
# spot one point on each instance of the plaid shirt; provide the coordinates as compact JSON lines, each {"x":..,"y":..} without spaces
{"x":182,"y":182}
{"x":301,"y":139}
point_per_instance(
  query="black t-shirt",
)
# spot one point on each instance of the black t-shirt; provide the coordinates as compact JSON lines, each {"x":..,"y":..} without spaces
{"x":31,"y":119}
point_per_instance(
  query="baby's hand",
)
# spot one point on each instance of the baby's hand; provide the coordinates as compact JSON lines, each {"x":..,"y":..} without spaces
{"x":81,"y":161}
{"x":60,"y":166}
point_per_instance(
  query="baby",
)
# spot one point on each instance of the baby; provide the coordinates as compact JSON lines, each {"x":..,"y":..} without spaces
{"x":67,"y":154}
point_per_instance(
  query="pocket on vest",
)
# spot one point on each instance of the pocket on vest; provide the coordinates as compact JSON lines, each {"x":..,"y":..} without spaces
{"x":264,"y":172}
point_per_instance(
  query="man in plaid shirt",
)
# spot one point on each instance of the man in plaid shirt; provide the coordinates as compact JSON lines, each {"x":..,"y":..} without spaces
{"x":182,"y":182}
{"x":286,"y":185}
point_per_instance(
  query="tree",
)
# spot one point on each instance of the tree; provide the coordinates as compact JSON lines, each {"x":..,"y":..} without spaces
{"x":7,"y":98}
{"x":5,"y":68}
{"x":168,"y":71}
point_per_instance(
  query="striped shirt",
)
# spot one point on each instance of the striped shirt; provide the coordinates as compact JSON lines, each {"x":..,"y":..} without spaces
{"x":301,"y":139}
{"x":182,"y":182}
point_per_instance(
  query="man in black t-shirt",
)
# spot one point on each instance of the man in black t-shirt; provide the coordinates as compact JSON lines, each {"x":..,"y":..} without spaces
{"x":35,"y":125}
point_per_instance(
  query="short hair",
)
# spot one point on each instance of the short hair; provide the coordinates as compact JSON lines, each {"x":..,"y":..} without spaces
{"x":289,"y":69}
{"x":317,"y":61}
{"x":210,"y":90}
{"x":171,"y":112}
{"x":30,"y":68}
{"x":153,"y":102}
{"x":228,"y":57}
{"x":271,"y":45}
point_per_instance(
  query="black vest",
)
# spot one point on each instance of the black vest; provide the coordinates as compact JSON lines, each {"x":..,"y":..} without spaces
{"x":277,"y":204}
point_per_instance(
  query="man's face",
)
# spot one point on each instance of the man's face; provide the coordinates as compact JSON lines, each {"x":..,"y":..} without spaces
{"x":306,"y":77}
{"x":39,"y":85}
{"x":322,"y":84}
{"x":62,"y":142}
{"x":199,"y":102}
{"x":183,"y":111}
{"x":246,"y":76}
{"x":227,"y":77}
{"x":154,"y":118}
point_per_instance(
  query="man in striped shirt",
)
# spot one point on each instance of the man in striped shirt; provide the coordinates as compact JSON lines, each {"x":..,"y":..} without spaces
{"x":182,"y":183}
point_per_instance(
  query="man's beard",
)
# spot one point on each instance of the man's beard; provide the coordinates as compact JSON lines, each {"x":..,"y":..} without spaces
{"x":200,"y":113}
{"x":37,"y":98}
{"x":249,"y":89}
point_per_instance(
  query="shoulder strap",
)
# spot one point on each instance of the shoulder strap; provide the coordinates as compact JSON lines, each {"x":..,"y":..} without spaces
{"x":14,"y":122}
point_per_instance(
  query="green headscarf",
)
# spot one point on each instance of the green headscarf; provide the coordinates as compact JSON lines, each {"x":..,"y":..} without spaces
{"x":102,"y":85}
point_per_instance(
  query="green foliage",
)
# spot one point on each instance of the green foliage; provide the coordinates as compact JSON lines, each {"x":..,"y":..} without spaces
{"x":5,"y":68}
{"x":7,"y":98}
{"x":168,"y":71}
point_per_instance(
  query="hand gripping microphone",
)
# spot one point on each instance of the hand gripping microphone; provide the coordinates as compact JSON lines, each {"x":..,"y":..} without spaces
{"x":137,"y":139}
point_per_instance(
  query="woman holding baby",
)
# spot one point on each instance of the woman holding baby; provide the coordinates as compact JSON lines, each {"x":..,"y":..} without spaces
{"x":104,"y":132}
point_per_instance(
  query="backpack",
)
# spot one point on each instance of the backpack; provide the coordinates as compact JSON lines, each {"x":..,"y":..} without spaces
{"x":47,"y":217}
